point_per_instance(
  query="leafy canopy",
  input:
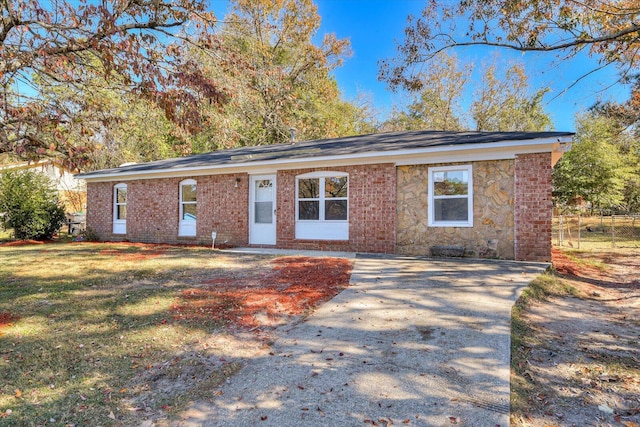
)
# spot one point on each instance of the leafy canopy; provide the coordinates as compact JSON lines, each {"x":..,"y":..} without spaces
{"x":56,"y":44}
{"x":606,"y":28}
{"x":279,"y":76}
{"x":499,"y":102}
{"x":596,"y":170}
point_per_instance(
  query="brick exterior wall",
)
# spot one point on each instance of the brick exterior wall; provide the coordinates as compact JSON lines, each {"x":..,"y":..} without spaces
{"x":153,"y":210}
{"x":372,"y":210}
{"x":533,"y":207}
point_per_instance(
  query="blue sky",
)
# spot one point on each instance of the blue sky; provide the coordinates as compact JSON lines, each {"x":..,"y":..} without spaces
{"x":374,"y":28}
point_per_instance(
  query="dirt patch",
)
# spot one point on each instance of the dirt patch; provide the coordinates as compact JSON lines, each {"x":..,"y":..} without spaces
{"x":142,"y":252}
{"x":581,"y":364}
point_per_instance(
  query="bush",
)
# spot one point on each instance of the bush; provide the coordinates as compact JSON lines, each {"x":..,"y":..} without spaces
{"x":29,"y":205}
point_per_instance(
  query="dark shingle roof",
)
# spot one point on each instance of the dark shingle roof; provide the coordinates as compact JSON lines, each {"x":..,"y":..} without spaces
{"x":353,"y":145}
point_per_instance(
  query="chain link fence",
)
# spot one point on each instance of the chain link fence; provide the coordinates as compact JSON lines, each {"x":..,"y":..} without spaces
{"x":597,"y":231}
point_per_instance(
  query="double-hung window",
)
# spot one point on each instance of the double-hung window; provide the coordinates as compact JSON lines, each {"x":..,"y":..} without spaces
{"x":120,"y":209}
{"x":188,"y":205}
{"x":322,"y":206}
{"x":451,"y":196}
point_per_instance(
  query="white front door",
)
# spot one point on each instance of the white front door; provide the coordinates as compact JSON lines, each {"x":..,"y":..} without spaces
{"x":262,"y":210}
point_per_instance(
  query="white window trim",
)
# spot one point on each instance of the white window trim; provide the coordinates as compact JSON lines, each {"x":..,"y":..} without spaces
{"x":431,"y":214}
{"x":119,"y":225}
{"x":187,"y":228}
{"x":321,"y":229}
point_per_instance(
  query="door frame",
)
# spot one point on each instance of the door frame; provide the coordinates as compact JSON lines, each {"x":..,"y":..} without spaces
{"x":262,"y":234}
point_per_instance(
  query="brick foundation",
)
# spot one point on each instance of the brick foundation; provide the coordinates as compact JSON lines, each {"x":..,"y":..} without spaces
{"x":533,"y":207}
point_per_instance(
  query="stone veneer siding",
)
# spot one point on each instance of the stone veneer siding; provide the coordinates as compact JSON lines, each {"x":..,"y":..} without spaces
{"x":372,"y":210}
{"x":492,"y":234}
{"x":533,"y":214}
{"x":153,"y":210}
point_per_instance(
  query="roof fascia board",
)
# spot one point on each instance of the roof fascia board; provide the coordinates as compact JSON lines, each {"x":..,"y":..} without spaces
{"x":490,"y":151}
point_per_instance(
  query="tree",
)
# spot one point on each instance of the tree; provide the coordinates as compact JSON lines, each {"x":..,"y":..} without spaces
{"x":285,"y":80}
{"x":594,"y":170}
{"x":29,"y":205}
{"x":437,"y":106}
{"x":505,"y":104}
{"x":608,"y":29}
{"x":499,"y":103}
{"x":59,"y":43}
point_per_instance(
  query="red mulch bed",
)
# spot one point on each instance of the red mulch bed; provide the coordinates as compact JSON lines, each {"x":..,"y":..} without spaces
{"x":23,"y":242}
{"x":563,"y":264}
{"x":7,"y":319}
{"x":293,"y":286}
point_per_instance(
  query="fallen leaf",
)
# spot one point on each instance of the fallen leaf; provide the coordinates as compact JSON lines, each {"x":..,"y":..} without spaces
{"x":606,"y":409}
{"x":113,"y":417}
{"x":626,"y":423}
{"x":454,"y":420}
{"x":406,"y":421}
{"x":18,"y":393}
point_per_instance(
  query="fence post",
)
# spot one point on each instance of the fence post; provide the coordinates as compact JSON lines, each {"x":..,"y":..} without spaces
{"x":579,"y":228}
{"x":613,"y":231}
{"x":560,"y":230}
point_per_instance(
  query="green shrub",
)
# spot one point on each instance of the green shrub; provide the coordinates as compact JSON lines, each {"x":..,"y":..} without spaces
{"x":29,"y":205}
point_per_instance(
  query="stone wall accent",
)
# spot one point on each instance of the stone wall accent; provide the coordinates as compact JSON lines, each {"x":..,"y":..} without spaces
{"x":492,"y":234}
{"x":372,"y":210}
{"x":534,"y":206}
{"x":153,"y":208}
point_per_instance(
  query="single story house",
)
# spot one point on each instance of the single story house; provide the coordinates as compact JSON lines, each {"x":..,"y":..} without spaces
{"x":483,"y":194}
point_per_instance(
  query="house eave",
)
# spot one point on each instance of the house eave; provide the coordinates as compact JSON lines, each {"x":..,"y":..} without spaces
{"x":427,"y":155}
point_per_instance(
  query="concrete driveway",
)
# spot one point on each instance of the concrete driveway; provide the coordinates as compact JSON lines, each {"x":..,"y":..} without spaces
{"x":417,"y":342}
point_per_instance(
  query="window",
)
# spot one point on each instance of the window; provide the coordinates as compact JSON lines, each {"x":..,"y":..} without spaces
{"x":187,"y":226}
{"x":451,"y":196}
{"x":120,"y":209}
{"x":322,"y":206}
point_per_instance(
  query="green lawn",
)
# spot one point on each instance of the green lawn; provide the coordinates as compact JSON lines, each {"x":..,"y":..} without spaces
{"x":88,"y":335}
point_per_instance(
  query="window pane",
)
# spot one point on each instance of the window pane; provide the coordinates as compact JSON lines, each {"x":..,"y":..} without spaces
{"x":451,"y":183}
{"x":335,"y":210}
{"x":335,"y":186}
{"x":308,"y":210}
{"x":263,"y":212}
{"x":121,"y":211}
{"x":189,"y":212}
{"x":264,"y":190}
{"x":451,"y":209}
{"x":189,"y":193}
{"x":121,"y":195}
{"x":309,"y":188}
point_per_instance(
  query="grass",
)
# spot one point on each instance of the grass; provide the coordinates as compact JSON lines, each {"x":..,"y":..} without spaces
{"x":5,"y":235}
{"x":523,"y":337}
{"x":89,"y":337}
